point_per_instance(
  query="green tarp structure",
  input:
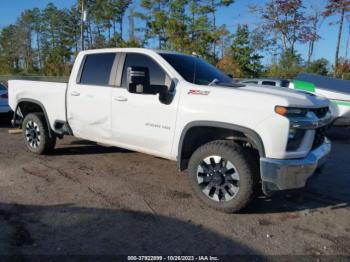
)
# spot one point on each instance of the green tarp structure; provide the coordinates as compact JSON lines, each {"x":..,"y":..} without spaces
{"x":328,"y":84}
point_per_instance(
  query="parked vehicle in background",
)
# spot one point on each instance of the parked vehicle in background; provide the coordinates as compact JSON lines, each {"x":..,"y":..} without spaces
{"x":4,"y":105}
{"x":232,"y":138}
{"x":267,"y":82}
{"x":336,"y":90}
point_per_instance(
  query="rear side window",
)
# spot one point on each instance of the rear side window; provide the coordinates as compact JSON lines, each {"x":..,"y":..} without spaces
{"x":269,"y":83}
{"x":97,"y":69}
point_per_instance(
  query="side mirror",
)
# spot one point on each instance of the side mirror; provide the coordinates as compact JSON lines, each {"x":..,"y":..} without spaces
{"x":138,"y":80}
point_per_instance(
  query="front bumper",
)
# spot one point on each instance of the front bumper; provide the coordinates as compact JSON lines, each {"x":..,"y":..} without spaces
{"x":278,"y":174}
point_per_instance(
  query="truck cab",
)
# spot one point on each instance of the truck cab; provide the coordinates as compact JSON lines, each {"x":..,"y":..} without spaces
{"x":100,"y":104}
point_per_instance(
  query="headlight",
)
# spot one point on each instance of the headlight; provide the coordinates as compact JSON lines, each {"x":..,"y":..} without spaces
{"x":291,"y":111}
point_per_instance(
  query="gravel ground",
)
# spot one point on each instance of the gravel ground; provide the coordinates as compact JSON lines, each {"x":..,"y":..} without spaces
{"x":89,"y":199}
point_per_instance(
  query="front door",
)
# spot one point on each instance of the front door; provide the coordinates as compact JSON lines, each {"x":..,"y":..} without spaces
{"x":143,"y":121}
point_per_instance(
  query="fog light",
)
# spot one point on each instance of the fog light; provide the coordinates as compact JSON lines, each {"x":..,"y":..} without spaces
{"x":292,"y":134}
{"x":295,"y":137}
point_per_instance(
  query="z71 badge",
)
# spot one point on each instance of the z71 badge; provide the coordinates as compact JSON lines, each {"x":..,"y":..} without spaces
{"x":198,"y":92}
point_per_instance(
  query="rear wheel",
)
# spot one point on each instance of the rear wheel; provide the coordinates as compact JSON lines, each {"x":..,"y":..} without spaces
{"x":223,"y":176}
{"x":36,"y":134}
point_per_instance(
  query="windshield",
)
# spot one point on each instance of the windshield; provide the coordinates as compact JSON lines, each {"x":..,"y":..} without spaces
{"x":2,"y":87}
{"x":196,"y":70}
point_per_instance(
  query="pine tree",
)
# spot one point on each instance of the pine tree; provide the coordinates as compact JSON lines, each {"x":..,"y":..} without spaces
{"x":156,"y":20}
{"x":341,"y":7}
{"x":243,"y":53}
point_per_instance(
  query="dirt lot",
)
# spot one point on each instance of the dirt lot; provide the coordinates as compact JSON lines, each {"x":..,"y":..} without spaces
{"x":89,"y":199}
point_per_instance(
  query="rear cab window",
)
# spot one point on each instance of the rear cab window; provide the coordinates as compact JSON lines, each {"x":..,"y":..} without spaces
{"x":97,"y":69}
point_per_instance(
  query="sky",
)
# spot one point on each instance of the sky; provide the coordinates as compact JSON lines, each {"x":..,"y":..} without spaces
{"x":236,"y":14}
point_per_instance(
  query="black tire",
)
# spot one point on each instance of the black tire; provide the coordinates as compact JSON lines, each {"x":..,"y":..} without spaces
{"x":243,"y":166}
{"x":36,"y":134}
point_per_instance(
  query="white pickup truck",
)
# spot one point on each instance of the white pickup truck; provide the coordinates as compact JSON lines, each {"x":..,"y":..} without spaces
{"x":232,"y":138}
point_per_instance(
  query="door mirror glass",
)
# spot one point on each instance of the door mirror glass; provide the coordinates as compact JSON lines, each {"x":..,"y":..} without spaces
{"x":138,"y":80}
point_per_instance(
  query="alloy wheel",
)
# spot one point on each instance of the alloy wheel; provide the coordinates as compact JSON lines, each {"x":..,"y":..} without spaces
{"x":32,"y":134}
{"x":218,"y":178}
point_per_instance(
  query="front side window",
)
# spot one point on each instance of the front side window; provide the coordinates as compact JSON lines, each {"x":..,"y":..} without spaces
{"x":196,"y":70}
{"x":156,"y":73}
{"x":97,"y":69}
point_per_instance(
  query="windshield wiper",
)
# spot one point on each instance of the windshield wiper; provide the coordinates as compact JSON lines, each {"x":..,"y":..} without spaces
{"x":231,"y":84}
{"x":214,"y":82}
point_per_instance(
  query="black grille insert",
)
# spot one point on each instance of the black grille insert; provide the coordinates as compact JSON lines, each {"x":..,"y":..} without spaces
{"x":320,"y":112}
{"x":320,"y":136}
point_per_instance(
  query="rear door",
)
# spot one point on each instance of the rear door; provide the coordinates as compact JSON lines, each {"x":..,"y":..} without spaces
{"x":89,"y":99}
{"x":141,"y":121}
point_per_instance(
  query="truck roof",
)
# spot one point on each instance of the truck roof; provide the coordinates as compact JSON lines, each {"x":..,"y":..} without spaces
{"x":127,"y":49}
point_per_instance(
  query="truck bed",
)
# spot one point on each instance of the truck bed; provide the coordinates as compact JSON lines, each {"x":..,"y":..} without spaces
{"x":51,"y":95}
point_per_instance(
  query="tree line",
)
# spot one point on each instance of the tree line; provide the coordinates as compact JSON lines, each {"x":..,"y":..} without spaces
{"x":46,"y":41}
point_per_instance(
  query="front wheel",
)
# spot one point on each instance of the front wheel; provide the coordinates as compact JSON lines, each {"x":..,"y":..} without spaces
{"x":36,"y":134}
{"x":222,"y":175}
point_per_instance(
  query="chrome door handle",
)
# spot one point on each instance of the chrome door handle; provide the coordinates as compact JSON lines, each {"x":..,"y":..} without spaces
{"x":121,"y":99}
{"x":75,"y":93}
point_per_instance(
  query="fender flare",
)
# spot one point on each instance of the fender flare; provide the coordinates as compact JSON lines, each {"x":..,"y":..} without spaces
{"x":251,"y":134}
{"x":37,"y":103}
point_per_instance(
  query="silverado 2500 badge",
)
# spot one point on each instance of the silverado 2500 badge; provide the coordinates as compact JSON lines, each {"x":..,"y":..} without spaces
{"x":158,"y":126}
{"x":198,"y":92}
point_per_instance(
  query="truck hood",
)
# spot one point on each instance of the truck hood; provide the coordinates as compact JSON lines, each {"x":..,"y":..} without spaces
{"x":289,"y":97}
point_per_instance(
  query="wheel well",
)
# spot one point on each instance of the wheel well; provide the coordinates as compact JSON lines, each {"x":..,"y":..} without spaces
{"x":29,"y":107}
{"x":199,"y":135}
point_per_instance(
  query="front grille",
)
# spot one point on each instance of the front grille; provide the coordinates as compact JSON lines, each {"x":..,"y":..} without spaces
{"x":320,"y":112}
{"x":320,"y":136}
